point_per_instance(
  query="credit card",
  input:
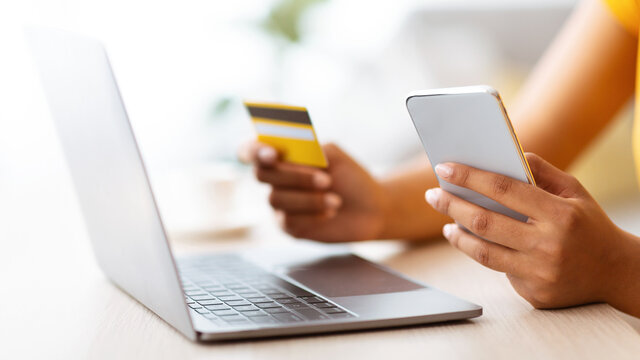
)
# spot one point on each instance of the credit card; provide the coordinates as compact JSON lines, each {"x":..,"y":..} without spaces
{"x":289,"y":130}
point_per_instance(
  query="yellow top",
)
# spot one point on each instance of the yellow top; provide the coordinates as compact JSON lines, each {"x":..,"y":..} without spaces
{"x":628,"y":14}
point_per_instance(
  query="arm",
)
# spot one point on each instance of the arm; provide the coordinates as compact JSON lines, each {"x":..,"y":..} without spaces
{"x":584,"y":78}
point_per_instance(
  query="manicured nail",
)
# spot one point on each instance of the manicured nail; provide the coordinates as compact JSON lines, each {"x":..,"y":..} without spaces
{"x":266,"y":154}
{"x":432,"y":196}
{"x":332,"y":201}
{"x":444,"y":171}
{"x":321,"y":180}
{"x":447,"y":229}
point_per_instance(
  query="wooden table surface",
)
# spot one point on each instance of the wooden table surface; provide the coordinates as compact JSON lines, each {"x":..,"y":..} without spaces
{"x":55,"y":302}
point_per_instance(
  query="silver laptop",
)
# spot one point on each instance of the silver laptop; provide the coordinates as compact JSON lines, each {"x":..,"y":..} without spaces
{"x":208,"y":297}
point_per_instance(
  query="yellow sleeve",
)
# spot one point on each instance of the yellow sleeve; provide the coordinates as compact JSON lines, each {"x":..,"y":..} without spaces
{"x":626,"y":12}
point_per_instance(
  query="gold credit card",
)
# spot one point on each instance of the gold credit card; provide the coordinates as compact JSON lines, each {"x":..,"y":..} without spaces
{"x":289,"y":130}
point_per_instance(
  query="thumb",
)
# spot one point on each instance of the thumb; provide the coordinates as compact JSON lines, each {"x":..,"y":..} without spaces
{"x":335,"y":154}
{"x":552,"y":179}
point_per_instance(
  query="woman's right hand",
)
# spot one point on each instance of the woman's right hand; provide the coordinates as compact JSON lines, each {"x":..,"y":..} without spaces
{"x":340,"y":203}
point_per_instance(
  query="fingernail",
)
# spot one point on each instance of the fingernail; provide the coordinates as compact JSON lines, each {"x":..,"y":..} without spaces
{"x":332,"y":201}
{"x":444,"y":171}
{"x":447,"y":229}
{"x":432,"y":196}
{"x":321,"y":180}
{"x":266,"y":154}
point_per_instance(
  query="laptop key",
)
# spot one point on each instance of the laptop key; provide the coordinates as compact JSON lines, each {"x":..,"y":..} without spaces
{"x":195,"y":306}
{"x":324,"y":305}
{"x":252,"y":294}
{"x":224,"y":313}
{"x":235,"y":286}
{"x":214,"y":288}
{"x":276,"y":310}
{"x":312,"y":314}
{"x":243,"y":308}
{"x":340,"y":315}
{"x":195,"y":292}
{"x":313,"y":300}
{"x":217,"y":307}
{"x":287,"y":300}
{"x":287,"y":317}
{"x":203,"y":297}
{"x":234,"y":319}
{"x":253,"y":313}
{"x":244,"y":290}
{"x":260,"y":300}
{"x":296,"y":306}
{"x":270,"y":291}
{"x":279,"y":296}
{"x":235,"y":303}
{"x":267,"y":305}
{"x":210,"y":302}
{"x":333,"y":311}
{"x":229,"y":297}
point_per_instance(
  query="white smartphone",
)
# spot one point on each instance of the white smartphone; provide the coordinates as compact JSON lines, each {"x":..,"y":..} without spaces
{"x":469,"y":125}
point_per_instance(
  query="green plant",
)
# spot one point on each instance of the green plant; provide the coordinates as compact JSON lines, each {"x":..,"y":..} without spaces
{"x":285,"y":17}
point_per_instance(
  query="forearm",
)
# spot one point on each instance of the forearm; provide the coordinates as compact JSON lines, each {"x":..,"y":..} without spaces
{"x":565,"y":103}
{"x":624,"y":293}
{"x":570,"y":98}
{"x":408,"y":216}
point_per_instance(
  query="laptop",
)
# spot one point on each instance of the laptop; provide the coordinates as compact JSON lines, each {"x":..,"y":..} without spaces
{"x":208,"y":297}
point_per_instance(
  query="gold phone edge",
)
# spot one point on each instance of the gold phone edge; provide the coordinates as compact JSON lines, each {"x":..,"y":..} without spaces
{"x":523,"y":160}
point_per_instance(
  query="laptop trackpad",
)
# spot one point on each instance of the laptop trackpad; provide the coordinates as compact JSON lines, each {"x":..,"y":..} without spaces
{"x":348,"y":275}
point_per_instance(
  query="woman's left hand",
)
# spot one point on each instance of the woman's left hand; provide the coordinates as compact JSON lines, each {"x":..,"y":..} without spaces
{"x":568,"y":252}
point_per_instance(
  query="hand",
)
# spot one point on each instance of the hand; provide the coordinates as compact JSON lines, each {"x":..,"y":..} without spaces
{"x":340,"y":203}
{"x":567,"y":253}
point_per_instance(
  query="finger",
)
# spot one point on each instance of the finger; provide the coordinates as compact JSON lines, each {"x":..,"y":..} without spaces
{"x":486,"y":253}
{"x":516,"y":195}
{"x":552,"y":179}
{"x":258,"y":153}
{"x":480,"y":221}
{"x":294,"y":176}
{"x":292,"y":201}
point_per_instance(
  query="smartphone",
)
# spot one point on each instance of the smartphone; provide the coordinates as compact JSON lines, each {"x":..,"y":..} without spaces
{"x":469,"y":125}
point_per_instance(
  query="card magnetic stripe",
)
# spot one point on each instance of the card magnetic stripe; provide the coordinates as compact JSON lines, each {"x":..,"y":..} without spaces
{"x":294,"y":116}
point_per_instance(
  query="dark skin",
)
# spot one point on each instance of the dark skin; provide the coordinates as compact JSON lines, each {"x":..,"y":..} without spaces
{"x":568,"y":252}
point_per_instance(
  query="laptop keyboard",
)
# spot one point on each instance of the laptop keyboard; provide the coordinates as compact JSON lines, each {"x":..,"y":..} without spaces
{"x":228,"y":290}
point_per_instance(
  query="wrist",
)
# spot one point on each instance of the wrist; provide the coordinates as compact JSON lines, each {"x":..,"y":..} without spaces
{"x":623,"y":280}
{"x":387,"y":211}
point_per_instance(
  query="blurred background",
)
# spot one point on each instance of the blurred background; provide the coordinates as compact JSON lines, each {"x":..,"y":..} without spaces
{"x":184,"y":66}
